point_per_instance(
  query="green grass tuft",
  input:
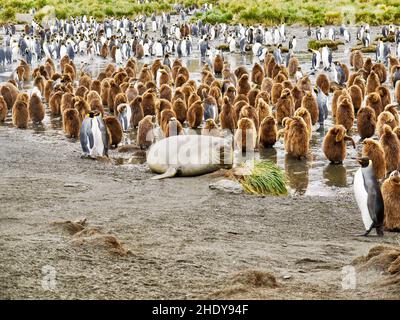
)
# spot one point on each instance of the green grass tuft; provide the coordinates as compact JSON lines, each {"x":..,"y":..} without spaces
{"x":266,"y":178}
{"x":317,"y":44}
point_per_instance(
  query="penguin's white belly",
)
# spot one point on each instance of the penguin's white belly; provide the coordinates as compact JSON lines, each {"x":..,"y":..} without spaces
{"x":98,"y":145}
{"x":361,"y":196}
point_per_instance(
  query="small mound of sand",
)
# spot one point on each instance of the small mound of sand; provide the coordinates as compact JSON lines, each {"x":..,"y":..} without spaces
{"x":246,"y":284}
{"x":71,"y":227}
{"x":382,"y":258}
{"x":96,"y":239}
{"x":255,"y":278}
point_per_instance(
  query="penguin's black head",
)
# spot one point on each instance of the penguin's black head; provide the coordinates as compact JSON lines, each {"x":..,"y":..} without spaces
{"x":364,"y":162}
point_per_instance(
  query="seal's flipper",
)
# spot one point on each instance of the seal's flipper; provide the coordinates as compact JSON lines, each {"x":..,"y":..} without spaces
{"x":171,"y":172}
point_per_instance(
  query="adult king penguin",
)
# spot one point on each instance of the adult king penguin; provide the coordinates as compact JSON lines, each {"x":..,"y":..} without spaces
{"x":369,"y":197}
{"x":93,"y":136}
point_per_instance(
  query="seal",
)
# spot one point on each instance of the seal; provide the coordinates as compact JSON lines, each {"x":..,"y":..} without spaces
{"x":189,"y":155}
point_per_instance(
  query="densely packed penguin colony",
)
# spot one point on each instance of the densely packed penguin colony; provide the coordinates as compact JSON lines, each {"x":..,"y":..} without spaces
{"x":275,"y":99}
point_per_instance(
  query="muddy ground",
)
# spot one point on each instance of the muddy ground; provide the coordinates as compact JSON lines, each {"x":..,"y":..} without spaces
{"x":186,"y":241}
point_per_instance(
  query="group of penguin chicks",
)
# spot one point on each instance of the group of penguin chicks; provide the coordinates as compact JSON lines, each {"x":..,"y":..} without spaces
{"x":256,"y":107}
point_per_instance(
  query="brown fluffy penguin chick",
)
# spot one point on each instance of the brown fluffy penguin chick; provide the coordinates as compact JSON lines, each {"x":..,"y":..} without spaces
{"x":96,"y":105}
{"x":284,"y":106}
{"x":218,"y":64}
{"x":193,"y":98}
{"x":374,"y":101}
{"x":380,"y":70}
{"x":374,"y":151}
{"x":356,"y":97}
{"x":385,"y":118}
{"x":257,"y":74}
{"x":323,"y":83}
{"x":82,"y":106}
{"x":366,"y":122}
{"x":210,"y":128}
{"x":305,"y":84}
{"x":55,"y":103}
{"x":162,"y":105}
{"x":310,"y":103}
{"x":357,"y":60}
{"x":263,"y":109}
{"x":276,"y":92}
{"x":384,"y":93}
{"x":392,"y":108}
{"x":149,"y":103}
{"x":20,"y":114}
{"x":391,"y":147}
{"x":360,"y":82}
{"x":267,"y":84}
{"x":137,"y":111}
{"x":71,"y":123}
{"x":180,"y":110}
{"x":240,"y":71}
{"x":293,"y":66}
{"x":334,"y":144}
{"x":105,"y":91}
{"x":95,"y":86}
{"x":243,"y":86}
{"x":303,"y":113}
{"x":195,"y":114}
{"x":3,"y":109}
{"x":36,"y":108}
{"x":252,"y":95}
{"x":345,"y":114}
{"x":267,"y":133}
{"x":67,"y":101}
{"x":145,"y":135}
{"x":246,"y":135}
{"x":251,"y":113}
{"x":296,"y":137}
{"x":226,"y":117}
{"x":391,"y":200}
{"x":166,"y":92}
{"x":173,"y":128}
{"x":297,"y":95}
{"x":115,"y":129}
{"x":373,"y":82}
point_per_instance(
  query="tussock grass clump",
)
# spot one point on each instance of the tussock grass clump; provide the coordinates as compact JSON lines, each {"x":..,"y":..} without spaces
{"x":317,"y":44}
{"x":265,"y":178}
{"x":370,"y":49}
{"x":389,"y":38}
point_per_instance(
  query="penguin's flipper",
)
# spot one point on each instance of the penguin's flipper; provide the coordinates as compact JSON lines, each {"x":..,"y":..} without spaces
{"x":171,"y":172}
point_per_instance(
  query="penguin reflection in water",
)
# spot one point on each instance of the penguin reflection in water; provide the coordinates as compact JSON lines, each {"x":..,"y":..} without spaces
{"x":93,"y":136}
{"x":369,"y":197}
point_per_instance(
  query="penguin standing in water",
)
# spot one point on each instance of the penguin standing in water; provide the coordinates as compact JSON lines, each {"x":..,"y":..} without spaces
{"x":322,"y":101}
{"x":369,"y":197}
{"x":93,"y":136}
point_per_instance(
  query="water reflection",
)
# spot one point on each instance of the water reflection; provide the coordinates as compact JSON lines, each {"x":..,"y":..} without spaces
{"x":269,"y":154}
{"x":297,"y":172}
{"x":335,"y":175}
